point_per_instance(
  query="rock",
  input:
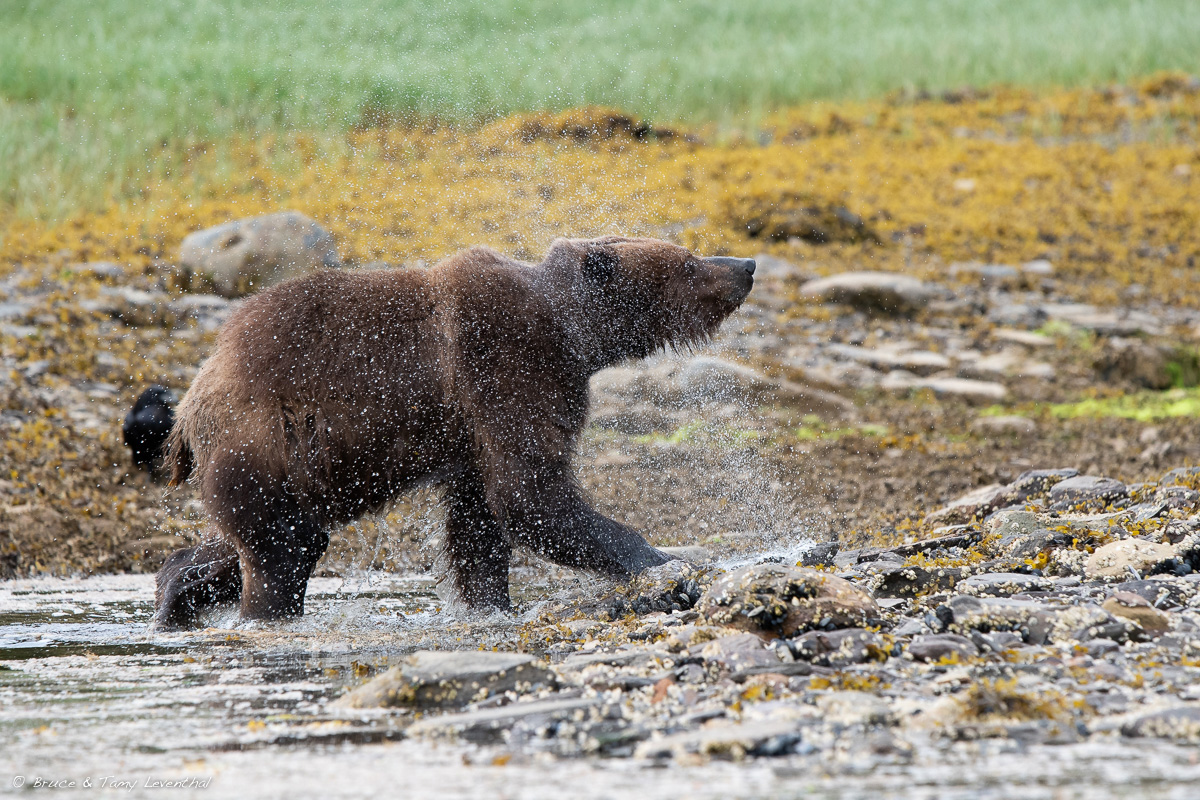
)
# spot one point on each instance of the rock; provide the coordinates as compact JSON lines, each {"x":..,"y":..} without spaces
{"x":693,"y":554}
{"x":784,"y":601}
{"x":1086,"y":492}
{"x":1120,"y":361}
{"x":250,"y":254}
{"x":1115,"y":559}
{"x":132,"y":306}
{"x":976,"y":503}
{"x":1183,"y":476}
{"x":1002,"y":584}
{"x":839,"y":648}
{"x":1033,"y":621}
{"x":437,"y":679}
{"x":1039,"y":267}
{"x":873,"y":291}
{"x":489,"y":724}
{"x":820,"y":554}
{"x":973,"y":391}
{"x":1035,"y":483}
{"x":1123,"y":322}
{"x":727,"y":740}
{"x":890,"y":579}
{"x":1161,"y":591}
{"x":918,"y":362}
{"x":987,"y":275}
{"x":1181,"y":722}
{"x":1005,"y":426}
{"x":102,"y":270}
{"x":1017,"y":315}
{"x":937,"y":646}
{"x":1135,"y":608}
{"x":740,"y":652}
{"x":1027,"y":338}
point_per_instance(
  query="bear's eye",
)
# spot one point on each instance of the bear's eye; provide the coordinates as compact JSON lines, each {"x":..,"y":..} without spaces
{"x":689,"y":268}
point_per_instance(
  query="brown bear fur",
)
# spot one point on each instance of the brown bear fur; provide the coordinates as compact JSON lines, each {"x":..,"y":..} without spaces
{"x":330,"y":395}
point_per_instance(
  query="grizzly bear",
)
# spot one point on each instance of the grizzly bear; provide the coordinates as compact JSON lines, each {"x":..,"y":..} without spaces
{"x":330,"y":395}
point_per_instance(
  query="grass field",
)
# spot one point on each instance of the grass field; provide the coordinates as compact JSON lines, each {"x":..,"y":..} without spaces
{"x":98,"y":98}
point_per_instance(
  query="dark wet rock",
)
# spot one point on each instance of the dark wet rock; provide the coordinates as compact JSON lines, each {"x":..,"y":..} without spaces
{"x":1100,"y":647}
{"x":247,"y":255}
{"x":446,"y":679}
{"x":1032,"y":620}
{"x":1084,"y":492}
{"x":840,"y":648}
{"x":891,"y":580}
{"x":873,"y":291}
{"x":935,"y":647}
{"x":784,"y":601}
{"x":1183,"y":476}
{"x":727,"y":740}
{"x":1017,"y":315}
{"x":1018,"y":544}
{"x":1161,"y":592}
{"x":1117,"y":559}
{"x":1178,"y":498}
{"x":1002,"y":584}
{"x":821,"y":554}
{"x":490,"y":724}
{"x":1136,"y":609}
{"x":1181,"y":722}
{"x":997,"y":641}
{"x":740,"y":652}
{"x":990,"y":499}
{"x":674,"y":586}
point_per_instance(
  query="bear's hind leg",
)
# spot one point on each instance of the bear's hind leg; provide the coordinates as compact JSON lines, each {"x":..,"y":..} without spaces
{"x":476,"y":546}
{"x":192,"y":579}
{"x":277,"y":561}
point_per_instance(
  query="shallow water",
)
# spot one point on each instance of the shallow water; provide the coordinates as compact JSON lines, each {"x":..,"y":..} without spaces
{"x":87,"y":693}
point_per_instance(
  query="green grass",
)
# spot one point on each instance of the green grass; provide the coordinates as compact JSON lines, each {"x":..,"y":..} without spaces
{"x":1143,"y":406}
{"x":95,"y":96}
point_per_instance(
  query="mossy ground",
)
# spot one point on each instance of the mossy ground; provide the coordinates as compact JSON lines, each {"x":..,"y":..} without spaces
{"x":1104,"y":183}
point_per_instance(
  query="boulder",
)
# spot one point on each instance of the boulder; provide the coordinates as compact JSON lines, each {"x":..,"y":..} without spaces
{"x":740,"y":652}
{"x":1136,"y":609}
{"x":448,"y":679}
{"x":246,"y":255}
{"x":937,"y":646}
{"x":772,"y":599}
{"x":885,"y":292}
{"x":1115,"y":559}
{"x":1086,"y":492}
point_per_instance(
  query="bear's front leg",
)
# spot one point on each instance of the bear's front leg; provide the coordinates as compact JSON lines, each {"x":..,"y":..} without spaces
{"x":476,"y":545}
{"x":544,"y":510}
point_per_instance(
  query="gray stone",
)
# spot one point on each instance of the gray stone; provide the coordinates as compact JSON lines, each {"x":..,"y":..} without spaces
{"x":1002,"y":584}
{"x":1086,"y":491}
{"x":441,"y":679}
{"x":873,"y":291}
{"x":726,"y":740}
{"x":784,"y":601}
{"x":1032,"y":620}
{"x":1005,"y":426}
{"x":937,"y":646}
{"x":250,"y":254}
{"x":740,"y":652}
{"x":839,"y":648}
{"x":972,"y":391}
{"x":1181,"y":722}
{"x":489,"y":724}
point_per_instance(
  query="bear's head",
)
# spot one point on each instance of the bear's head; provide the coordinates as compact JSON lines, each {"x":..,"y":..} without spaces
{"x":631,"y":297}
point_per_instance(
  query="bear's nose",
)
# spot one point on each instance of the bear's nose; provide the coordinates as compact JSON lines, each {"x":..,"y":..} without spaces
{"x":746,"y":264}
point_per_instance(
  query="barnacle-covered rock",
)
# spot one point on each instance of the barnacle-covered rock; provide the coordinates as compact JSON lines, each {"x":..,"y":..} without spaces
{"x":784,"y":601}
{"x":433,"y":679}
{"x":250,"y":254}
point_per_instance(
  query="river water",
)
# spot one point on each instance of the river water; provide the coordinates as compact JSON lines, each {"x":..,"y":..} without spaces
{"x":92,"y":703}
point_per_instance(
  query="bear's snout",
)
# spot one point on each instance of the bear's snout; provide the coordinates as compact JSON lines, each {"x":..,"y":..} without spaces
{"x":746,"y":265}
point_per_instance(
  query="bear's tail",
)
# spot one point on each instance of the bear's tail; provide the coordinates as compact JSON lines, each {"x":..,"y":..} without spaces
{"x":179,"y":460}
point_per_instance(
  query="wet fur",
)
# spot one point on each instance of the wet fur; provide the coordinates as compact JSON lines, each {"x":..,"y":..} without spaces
{"x":329,"y":396}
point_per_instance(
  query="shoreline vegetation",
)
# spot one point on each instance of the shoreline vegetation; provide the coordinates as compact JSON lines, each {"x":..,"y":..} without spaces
{"x":96,"y":105}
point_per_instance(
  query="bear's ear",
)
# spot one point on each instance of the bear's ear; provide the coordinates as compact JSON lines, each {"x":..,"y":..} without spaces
{"x":599,"y":264}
